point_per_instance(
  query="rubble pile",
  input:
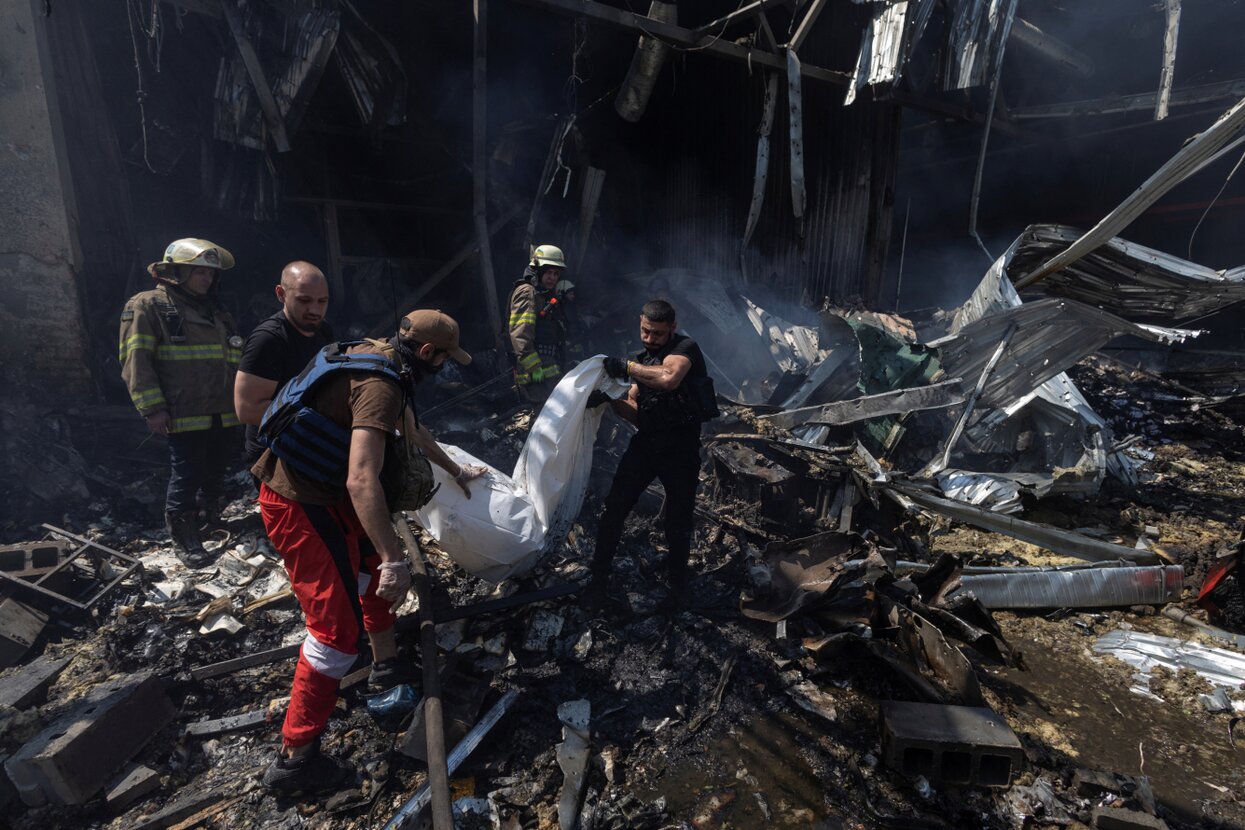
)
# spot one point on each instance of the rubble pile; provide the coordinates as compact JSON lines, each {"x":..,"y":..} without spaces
{"x":908,"y":533}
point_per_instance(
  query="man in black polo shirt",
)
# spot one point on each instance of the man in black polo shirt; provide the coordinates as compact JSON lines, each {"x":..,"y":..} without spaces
{"x":281,"y":346}
{"x":664,"y":402}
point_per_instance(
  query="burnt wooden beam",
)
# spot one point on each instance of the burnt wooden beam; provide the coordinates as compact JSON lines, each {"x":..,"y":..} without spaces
{"x":683,"y":37}
{"x":479,"y":172}
{"x":757,"y":7}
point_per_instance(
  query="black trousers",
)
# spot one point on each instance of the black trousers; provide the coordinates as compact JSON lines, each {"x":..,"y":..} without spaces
{"x":197,"y":464}
{"x":673,"y":457}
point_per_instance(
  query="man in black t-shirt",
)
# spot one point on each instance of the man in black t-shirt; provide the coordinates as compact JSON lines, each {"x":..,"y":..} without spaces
{"x":663,"y":403}
{"x":281,"y":346}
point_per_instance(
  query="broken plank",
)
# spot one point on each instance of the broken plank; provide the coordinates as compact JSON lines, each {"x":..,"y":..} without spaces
{"x":206,"y":813}
{"x":29,"y":684}
{"x":136,"y":781}
{"x":244,"y":722}
{"x":182,"y":808}
{"x":259,"y":658}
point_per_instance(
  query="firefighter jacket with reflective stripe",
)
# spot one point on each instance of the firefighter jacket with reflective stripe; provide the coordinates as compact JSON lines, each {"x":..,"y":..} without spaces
{"x":537,"y":334}
{"x":179,"y":354}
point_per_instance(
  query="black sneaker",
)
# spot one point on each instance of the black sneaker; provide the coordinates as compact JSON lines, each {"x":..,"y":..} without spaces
{"x":309,"y":773}
{"x":389,"y":673}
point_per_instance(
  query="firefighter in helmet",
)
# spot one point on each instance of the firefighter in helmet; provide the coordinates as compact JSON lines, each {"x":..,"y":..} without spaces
{"x":537,"y":324}
{"x":179,"y":352}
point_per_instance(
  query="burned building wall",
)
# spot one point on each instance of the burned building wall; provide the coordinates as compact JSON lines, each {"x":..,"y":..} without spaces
{"x":42,"y":341}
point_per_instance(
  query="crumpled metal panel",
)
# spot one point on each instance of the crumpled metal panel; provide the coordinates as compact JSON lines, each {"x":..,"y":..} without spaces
{"x":372,"y":71}
{"x":1051,"y":335}
{"x":294,"y":61}
{"x":1145,"y":651}
{"x":997,"y":491}
{"x":975,"y":41}
{"x":794,"y":347}
{"x":887,"y":43}
{"x":1135,"y":282}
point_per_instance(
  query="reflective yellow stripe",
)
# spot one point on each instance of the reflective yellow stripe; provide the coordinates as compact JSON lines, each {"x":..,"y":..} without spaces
{"x":135,"y":342}
{"x":530,"y":362}
{"x":522,"y":317}
{"x":192,"y":423}
{"x":147,"y":398}
{"x":552,"y":372}
{"x":196,"y":423}
{"x":233,"y":355}
{"x":202,"y":352}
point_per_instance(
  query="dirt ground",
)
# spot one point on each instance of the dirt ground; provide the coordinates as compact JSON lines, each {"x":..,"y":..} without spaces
{"x":666,"y":751}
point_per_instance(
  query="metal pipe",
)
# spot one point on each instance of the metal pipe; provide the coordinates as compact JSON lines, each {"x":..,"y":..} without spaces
{"x":1181,"y":616}
{"x":1063,"y":55}
{"x":434,"y":723}
{"x":410,"y":811}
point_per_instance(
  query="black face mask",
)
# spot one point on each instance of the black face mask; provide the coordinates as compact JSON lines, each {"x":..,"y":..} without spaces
{"x":412,"y":359}
{"x":429,"y":368}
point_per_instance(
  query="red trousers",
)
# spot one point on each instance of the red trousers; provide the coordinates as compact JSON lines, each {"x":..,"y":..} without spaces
{"x":332,"y":570}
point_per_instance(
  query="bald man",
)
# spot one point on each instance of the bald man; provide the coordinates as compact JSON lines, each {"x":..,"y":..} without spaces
{"x":281,"y":346}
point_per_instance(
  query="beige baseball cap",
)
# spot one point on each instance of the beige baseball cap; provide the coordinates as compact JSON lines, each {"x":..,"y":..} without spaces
{"x":437,"y":328}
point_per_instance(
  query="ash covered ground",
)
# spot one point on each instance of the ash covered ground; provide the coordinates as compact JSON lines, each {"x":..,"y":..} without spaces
{"x":704,"y":719}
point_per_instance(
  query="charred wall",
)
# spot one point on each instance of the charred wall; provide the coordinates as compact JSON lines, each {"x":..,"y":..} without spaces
{"x":42,"y":339}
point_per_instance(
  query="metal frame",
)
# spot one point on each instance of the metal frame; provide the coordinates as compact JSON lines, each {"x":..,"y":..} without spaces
{"x":85,"y":546}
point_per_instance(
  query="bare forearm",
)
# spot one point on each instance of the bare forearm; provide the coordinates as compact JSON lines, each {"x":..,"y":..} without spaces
{"x":423,"y":439}
{"x":368,"y":499}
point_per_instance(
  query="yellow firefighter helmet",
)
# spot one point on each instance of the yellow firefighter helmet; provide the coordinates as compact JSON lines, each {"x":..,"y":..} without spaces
{"x":548,"y":255}
{"x":194,"y":253}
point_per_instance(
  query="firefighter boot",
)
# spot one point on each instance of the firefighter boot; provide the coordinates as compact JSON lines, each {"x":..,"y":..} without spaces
{"x":184,"y":533}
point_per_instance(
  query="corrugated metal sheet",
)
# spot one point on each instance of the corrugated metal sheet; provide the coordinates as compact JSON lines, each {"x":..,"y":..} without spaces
{"x":1133,"y":281}
{"x":977,"y":30}
{"x":851,"y":153}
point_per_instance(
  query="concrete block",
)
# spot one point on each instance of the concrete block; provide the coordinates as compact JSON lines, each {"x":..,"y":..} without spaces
{"x":20,"y":626}
{"x":1117,"y":818}
{"x":28,"y":685}
{"x":134,"y":782}
{"x":31,"y":559}
{"x":73,"y":758}
{"x":950,"y":744}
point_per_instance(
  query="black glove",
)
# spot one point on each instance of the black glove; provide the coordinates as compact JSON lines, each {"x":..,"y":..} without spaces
{"x":597,"y":398}
{"x":616,"y":368}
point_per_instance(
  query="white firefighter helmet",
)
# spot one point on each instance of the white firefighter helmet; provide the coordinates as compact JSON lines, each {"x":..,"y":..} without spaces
{"x":195,"y":253}
{"x":564,"y":287}
{"x":548,"y":255}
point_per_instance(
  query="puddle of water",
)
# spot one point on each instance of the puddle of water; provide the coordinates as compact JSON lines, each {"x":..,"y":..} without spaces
{"x":718,"y":788}
{"x":1067,"y":694}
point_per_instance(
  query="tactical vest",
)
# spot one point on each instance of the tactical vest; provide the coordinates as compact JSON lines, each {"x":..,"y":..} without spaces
{"x":308,"y":442}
